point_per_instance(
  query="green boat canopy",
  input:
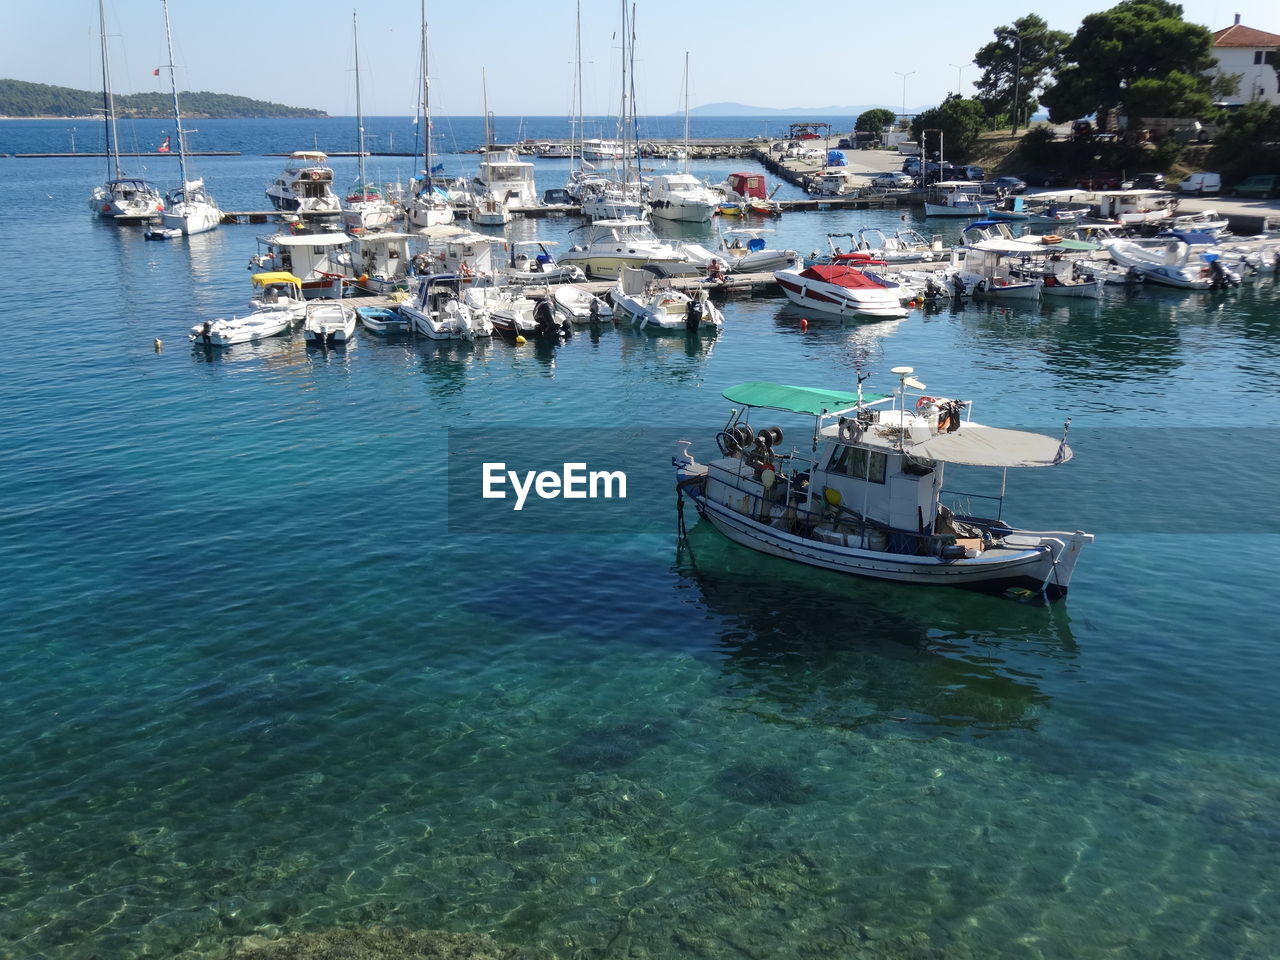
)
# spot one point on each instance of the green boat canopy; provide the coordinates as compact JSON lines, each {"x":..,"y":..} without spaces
{"x":780,"y":396}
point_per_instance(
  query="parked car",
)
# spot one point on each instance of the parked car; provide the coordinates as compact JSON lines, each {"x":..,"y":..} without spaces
{"x":1045,"y":178}
{"x":1010,"y":184}
{"x":1201,"y":183}
{"x":1148,"y":181}
{"x":1264,"y":186}
{"x":844,"y":144}
{"x":911,"y":165}
{"x":892,"y":179}
{"x":972,"y":172}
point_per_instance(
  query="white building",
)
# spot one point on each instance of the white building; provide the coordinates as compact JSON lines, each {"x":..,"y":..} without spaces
{"x":1251,"y":54}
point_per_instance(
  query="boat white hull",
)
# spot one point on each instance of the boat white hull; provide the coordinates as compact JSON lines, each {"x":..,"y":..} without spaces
{"x":192,"y":218}
{"x":1001,"y":290}
{"x":683,"y":211}
{"x":465,"y":325}
{"x":255,"y":326}
{"x":665,"y":313}
{"x":829,"y":298}
{"x":959,"y":210}
{"x":1087,"y":289}
{"x":421,"y":216}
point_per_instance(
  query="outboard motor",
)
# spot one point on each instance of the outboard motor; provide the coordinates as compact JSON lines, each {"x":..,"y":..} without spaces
{"x":957,"y":286}
{"x":544,"y":318}
{"x":693,"y":315}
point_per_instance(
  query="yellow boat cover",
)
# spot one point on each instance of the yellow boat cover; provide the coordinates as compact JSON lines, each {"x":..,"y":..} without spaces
{"x":282,"y":276}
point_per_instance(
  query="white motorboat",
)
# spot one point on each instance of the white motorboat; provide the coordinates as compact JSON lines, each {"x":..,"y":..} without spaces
{"x":321,"y":260}
{"x":532,"y":262}
{"x":841,"y":289}
{"x":507,"y":178}
{"x":986,"y":264}
{"x":122,"y":199}
{"x":514,"y":314}
{"x":305,"y":186}
{"x":1136,"y":207}
{"x":652,"y":303}
{"x":267,"y":321}
{"x":437,"y":310}
{"x":862,"y":493}
{"x":276,"y":290}
{"x":956,"y":198}
{"x":597,"y":149}
{"x":189,"y":208}
{"x":836,"y":182}
{"x":613,"y":244}
{"x":1167,"y":262}
{"x":329,"y":322}
{"x":1206,"y":222}
{"x":745,"y":250}
{"x":578,"y":305}
{"x":904,"y":245}
{"x":682,"y":197}
{"x":1108,"y":271}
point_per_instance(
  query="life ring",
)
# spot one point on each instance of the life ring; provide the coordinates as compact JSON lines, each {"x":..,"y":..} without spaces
{"x":465,"y":269}
{"x":923,"y":400}
{"x":316,"y":174}
{"x":1052,"y":239}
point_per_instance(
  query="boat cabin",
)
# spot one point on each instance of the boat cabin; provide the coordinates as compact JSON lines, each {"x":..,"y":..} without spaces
{"x":383,"y":262}
{"x":321,"y":260}
{"x":747,"y":185}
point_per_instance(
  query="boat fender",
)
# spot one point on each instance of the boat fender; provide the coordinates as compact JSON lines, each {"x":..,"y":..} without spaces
{"x":768,"y":477}
{"x":982,"y":285}
{"x":1052,"y":239}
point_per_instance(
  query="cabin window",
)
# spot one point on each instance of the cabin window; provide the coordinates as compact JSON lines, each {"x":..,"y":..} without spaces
{"x":1257,"y":56}
{"x":858,"y":462}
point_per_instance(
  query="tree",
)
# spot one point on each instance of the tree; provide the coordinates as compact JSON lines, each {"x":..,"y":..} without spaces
{"x":1141,"y":57}
{"x":959,"y":120}
{"x":1015,"y":66}
{"x":1248,"y":132}
{"x":875,"y":120}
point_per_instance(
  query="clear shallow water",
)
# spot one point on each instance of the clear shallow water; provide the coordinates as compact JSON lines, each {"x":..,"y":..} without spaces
{"x":252,"y":684}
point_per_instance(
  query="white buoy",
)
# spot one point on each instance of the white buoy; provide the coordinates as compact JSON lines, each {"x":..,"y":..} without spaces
{"x":158,"y":344}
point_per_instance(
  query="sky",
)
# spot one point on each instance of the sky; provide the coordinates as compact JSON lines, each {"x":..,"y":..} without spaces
{"x":759,"y":52}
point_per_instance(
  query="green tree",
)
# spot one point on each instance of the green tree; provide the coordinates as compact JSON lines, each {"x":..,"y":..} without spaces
{"x":1249,"y":131}
{"x":1016,"y":65}
{"x":1140,"y":51}
{"x":959,"y":120}
{"x":875,"y":120}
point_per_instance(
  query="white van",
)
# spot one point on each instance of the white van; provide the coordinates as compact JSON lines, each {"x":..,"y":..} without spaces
{"x":1201,"y":183}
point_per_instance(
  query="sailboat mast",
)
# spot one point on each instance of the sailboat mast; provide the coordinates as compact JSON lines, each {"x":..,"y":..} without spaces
{"x":484,"y":95}
{"x":355,"y":43}
{"x":575,"y":132}
{"x":426,"y":104}
{"x":686,"y":111}
{"x":635,"y":120}
{"x":177,"y":113}
{"x":108,"y":102}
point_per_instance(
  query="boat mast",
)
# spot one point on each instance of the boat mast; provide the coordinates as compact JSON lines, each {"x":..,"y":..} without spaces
{"x":575,"y":132}
{"x":355,"y":43}
{"x":635,"y":120}
{"x":108,"y":102}
{"x":426,"y":107}
{"x":177,"y":113}
{"x":686,"y":111}
{"x":484,"y":100}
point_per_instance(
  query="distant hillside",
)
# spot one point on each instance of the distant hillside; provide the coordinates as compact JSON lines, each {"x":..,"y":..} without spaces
{"x":799,"y":113}
{"x":21,"y":99}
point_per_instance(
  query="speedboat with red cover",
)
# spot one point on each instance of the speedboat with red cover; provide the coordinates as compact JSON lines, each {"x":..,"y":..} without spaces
{"x":842,"y":289}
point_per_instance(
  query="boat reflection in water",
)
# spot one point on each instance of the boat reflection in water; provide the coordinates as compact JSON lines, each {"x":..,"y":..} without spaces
{"x":808,"y":647}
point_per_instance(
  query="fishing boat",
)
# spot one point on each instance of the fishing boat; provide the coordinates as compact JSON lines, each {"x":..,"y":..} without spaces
{"x":275,"y":309}
{"x":956,"y":198}
{"x":489,"y":210}
{"x":381,"y":262}
{"x":842,"y":289}
{"x":652,"y":303}
{"x":329,"y":322}
{"x":746,"y":192}
{"x":437,"y":310}
{"x":189,"y":209}
{"x":862,"y":492}
{"x":321,"y":260}
{"x":383,"y":320}
{"x":121,"y":199}
{"x":305,"y":186}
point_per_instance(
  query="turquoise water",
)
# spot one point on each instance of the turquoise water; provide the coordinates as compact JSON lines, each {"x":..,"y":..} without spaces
{"x":254,"y":686}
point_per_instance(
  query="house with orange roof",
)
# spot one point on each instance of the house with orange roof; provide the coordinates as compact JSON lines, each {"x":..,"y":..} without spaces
{"x":1253,"y":55}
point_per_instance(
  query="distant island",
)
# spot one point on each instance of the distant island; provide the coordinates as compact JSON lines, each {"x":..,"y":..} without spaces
{"x":18,"y":98}
{"x":730,"y":109}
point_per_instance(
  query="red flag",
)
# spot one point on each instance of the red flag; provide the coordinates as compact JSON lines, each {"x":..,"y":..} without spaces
{"x":155,"y":72}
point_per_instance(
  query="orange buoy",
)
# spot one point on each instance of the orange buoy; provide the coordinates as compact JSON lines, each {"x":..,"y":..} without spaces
{"x":804,"y":323}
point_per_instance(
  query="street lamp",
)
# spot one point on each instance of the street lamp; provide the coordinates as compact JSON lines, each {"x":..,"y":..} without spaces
{"x":904,"y":88}
{"x":959,"y":67}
